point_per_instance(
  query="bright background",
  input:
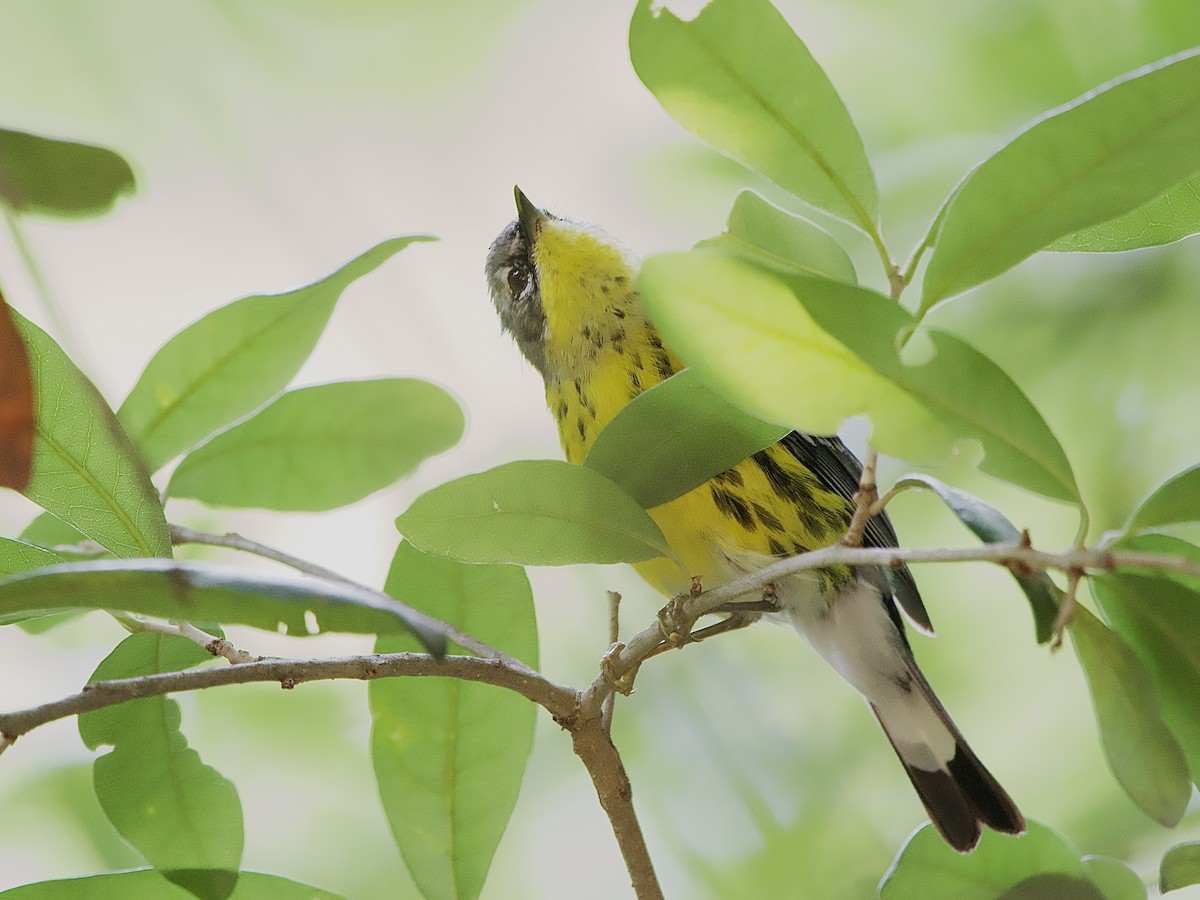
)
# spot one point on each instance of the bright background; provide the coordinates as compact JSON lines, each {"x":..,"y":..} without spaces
{"x":275,"y":140}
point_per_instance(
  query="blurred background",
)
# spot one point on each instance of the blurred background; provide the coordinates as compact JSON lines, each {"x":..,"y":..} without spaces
{"x":275,"y":140}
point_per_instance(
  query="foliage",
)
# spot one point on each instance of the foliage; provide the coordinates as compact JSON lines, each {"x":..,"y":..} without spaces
{"x":774,"y":302}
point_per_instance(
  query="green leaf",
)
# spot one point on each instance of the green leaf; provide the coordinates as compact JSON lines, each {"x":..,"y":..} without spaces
{"x":146,"y":884}
{"x":85,"y":471}
{"x":739,"y":78}
{"x":1160,"y":620}
{"x":450,"y":755}
{"x":1143,"y":754}
{"x":674,"y":437}
{"x":990,"y":525}
{"x":208,"y":592}
{"x":322,"y":447}
{"x":1101,"y":155}
{"x":1180,"y":867}
{"x":1053,"y":884}
{"x":60,"y":178}
{"x":809,"y":353}
{"x":1167,"y":545}
{"x":234,"y":359}
{"x":764,"y":234}
{"x":17,"y":556}
{"x":183,"y":816}
{"x":537,"y":512}
{"x":1176,"y":500}
{"x":1115,"y":879}
{"x":928,"y":869}
{"x":1167,"y":218}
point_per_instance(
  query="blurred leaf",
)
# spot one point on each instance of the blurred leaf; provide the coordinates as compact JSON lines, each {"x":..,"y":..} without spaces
{"x":1180,"y":867}
{"x":16,"y":403}
{"x":1053,"y":885}
{"x":234,"y":359}
{"x":85,"y":471}
{"x":1167,"y":218}
{"x":1103,"y":154}
{"x":60,"y":178}
{"x":183,"y":816}
{"x":928,"y":869}
{"x":450,"y":755}
{"x":1176,"y":500}
{"x":49,"y":531}
{"x":1142,"y":753}
{"x":739,"y":78}
{"x":675,"y":436}
{"x":989,"y":525}
{"x":204,"y":591}
{"x":1115,"y":879}
{"x":762,"y":233}
{"x":17,"y":556}
{"x":748,"y":337}
{"x":146,"y":884}
{"x":322,"y":447}
{"x":1167,"y":545}
{"x":536,"y":512}
{"x":1160,"y":619}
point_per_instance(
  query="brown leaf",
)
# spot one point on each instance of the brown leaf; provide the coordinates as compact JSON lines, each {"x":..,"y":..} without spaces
{"x":16,"y":406}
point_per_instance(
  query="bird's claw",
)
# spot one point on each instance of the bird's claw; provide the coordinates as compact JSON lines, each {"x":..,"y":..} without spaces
{"x":610,"y":665}
{"x":674,"y":623}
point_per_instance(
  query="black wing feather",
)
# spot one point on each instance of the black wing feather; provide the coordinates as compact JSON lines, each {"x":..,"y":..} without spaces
{"x":839,"y":471}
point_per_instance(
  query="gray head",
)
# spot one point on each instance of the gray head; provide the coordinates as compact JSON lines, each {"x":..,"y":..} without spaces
{"x":512,"y":279}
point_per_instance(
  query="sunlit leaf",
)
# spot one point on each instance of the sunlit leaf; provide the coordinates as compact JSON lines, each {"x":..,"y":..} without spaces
{"x":16,"y":405}
{"x":17,"y":556}
{"x":928,"y":869}
{"x":146,"y":884}
{"x":1160,"y":619}
{"x":1180,"y":867}
{"x":990,"y":525}
{"x":739,"y":78}
{"x":1176,"y":500}
{"x":1143,"y":755}
{"x":1167,"y":218}
{"x":321,"y":447}
{"x":235,"y":359}
{"x":810,"y":353}
{"x":450,"y":755}
{"x":537,"y":512}
{"x":1115,"y":880}
{"x":183,"y":816}
{"x":209,"y":592}
{"x":85,"y":471}
{"x":764,"y":234}
{"x":59,"y":178}
{"x":674,"y":437}
{"x":1108,"y":152}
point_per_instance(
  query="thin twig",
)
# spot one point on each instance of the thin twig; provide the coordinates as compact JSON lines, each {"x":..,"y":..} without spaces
{"x":1066,"y":609}
{"x":864,"y":499}
{"x":231,"y":541}
{"x":217,"y":646}
{"x":614,"y":635}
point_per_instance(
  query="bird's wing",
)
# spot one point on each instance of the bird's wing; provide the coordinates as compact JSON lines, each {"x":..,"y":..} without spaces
{"x":839,"y":471}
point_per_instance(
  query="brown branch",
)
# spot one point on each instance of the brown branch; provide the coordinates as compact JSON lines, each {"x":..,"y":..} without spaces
{"x":864,"y":500}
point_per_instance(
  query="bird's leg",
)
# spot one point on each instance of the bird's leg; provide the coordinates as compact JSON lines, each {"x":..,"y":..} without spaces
{"x":621,"y":682}
{"x":674,"y":621}
{"x":737,"y":619}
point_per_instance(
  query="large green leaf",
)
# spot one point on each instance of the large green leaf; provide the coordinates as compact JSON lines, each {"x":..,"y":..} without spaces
{"x":209,"y":592}
{"x":321,"y":447}
{"x":1170,"y":217}
{"x":1143,"y":754}
{"x":928,"y":869}
{"x":991,"y":526}
{"x":740,"y":78}
{"x":1180,"y":867}
{"x":146,"y":884}
{"x":183,"y":816}
{"x":85,"y":471}
{"x":234,"y":359}
{"x":674,"y":437}
{"x":59,"y":178}
{"x":766,"y":235}
{"x":450,"y":755}
{"x":1115,"y":880}
{"x":537,"y":512}
{"x":1160,"y":619}
{"x":18,"y":556}
{"x":1176,"y":500}
{"x":809,"y":353}
{"x":1107,"y":152}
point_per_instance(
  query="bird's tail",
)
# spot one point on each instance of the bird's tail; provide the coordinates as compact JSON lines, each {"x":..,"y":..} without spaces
{"x":960,"y":795}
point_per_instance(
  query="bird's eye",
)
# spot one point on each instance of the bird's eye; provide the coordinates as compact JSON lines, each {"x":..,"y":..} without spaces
{"x":518,"y":280}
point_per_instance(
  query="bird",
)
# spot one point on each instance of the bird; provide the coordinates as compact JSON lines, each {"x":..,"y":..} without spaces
{"x":566,"y":293}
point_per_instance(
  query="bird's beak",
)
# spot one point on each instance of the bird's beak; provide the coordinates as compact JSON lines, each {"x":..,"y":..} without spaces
{"x":529,"y":217}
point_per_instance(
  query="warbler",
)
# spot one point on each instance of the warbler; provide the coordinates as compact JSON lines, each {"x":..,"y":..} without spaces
{"x":566,"y":293}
